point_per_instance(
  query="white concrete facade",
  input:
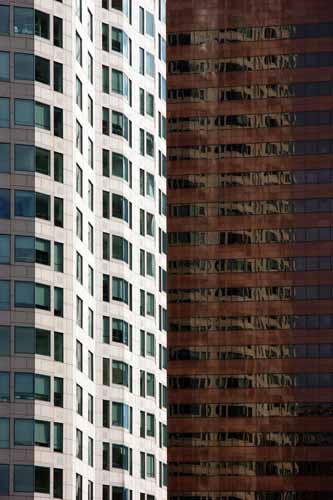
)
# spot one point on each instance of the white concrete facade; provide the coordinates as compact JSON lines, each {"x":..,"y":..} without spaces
{"x":126,"y":366}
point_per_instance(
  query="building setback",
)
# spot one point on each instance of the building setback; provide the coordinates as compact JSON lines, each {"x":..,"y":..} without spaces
{"x":83,"y":249}
{"x":250,"y":261}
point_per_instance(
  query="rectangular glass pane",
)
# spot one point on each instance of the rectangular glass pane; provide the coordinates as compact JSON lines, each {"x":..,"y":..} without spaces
{"x":4,"y":430}
{"x":4,"y":340}
{"x":24,"y":339}
{"x":4,"y":112}
{"x":24,"y":157}
{"x":4,"y":249}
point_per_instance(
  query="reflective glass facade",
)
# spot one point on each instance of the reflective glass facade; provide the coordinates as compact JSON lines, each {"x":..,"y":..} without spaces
{"x":250,"y":235}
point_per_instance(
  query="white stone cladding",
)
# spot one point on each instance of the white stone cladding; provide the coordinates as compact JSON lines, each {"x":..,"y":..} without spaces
{"x":139,"y":488}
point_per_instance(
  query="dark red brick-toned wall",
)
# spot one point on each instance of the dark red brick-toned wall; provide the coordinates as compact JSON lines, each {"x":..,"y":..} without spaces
{"x":196,"y":15}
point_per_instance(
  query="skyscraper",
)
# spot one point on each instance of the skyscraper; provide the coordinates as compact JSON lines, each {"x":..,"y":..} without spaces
{"x":82,"y":249}
{"x":250,"y":172}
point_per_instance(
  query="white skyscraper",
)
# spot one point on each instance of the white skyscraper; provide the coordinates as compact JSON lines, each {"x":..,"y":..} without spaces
{"x":83,"y":249}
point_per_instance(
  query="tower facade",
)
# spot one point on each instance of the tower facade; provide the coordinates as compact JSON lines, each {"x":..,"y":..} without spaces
{"x":250,"y":173}
{"x":82,"y":249}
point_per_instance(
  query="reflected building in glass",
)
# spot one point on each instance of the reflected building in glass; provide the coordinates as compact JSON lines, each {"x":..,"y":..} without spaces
{"x":250,"y":259}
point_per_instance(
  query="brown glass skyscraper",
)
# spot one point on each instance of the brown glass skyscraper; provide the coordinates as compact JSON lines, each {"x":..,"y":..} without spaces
{"x":250,"y":176}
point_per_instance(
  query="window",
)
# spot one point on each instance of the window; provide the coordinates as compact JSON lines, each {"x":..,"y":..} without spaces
{"x":120,"y":166}
{"x":24,"y":66}
{"x":150,"y":104}
{"x":58,"y":393}
{"x":106,"y":488}
{"x":90,"y":25}
{"x":119,"y":248}
{"x":79,"y":312}
{"x":4,"y":386}
{"x":120,"y":373}
{"x":4,"y":112}
{"x":58,"y":437}
{"x":150,"y":424}
{"x":79,"y":224}
{"x":4,"y":249}
{"x":106,"y":163}
{"x":42,"y":117}
{"x":119,"y":207}
{"x":24,"y":112}
{"x":106,"y":121}
{"x":120,"y":457}
{"x":57,"y":483}
{"x":141,"y":20}
{"x":90,"y":111}
{"x":90,"y":68}
{"x":79,"y":180}
{"x":90,"y":323}
{"x":57,"y":31}
{"x":79,"y":356}
{"x":4,"y":164}
{"x":78,"y":9}
{"x":4,"y":428}
{"x":150,"y":149}
{"x":106,"y":288}
{"x":150,"y":264}
{"x":79,"y":400}
{"x":58,"y":212}
{"x":58,"y":347}
{"x":120,"y":124}
{"x":23,"y":21}
{"x":106,"y":330}
{"x":90,"y":238}
{"x":105,"y":37}
{"x":150,"y":185}
{"x":150,"y":344}
{"x":142,"y":464}
{"x":79,"y":268}
{"x":90,"y":280}
{"x":106,"y":79}
{"x":4,"y":340}
{"x":150,"y":384}
{"x":79,"y":92}
{"x":150,"y":465}
{"x":150,"y":64}
{"x":150,"y":224}
{"x":78,"y":495}
{"x":150,"y":304}
{"x":30,"y":386}
{"x":4,"y":295}
{"x":59,"y":257}
{"x":90,"y":153}
{"x":4,"y":20}
{"x":120,"y":331}
{"x":29,"y":294}
{"x":90,"y":408}
{"x":120,"y":42}
{"x":90,"y":489}
{"x":90,"y":366}
{"x":120,"y":415}
{"x":4,"y":65}
{"x":4,"y":203}
{"x":120,"y":83}
{"x":42,"y":70}
{"x":106,"y":246}
{"x":78,"y":40}
{"x":106,"y":456}
{"x":120,"y":290}
{"x":150,"y":26}
{"x":31,"y":340}
{"x":58,"y":167}
{"x":79,"y":444}
{"x":106,"y":413}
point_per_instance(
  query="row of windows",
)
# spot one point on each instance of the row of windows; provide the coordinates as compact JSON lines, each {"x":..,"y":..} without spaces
{"x":261,"y":351}
{"x":117,"y":165}
{"x":30,"y":340}
{"x":252,"y":207}
{"x":249,"y":410}
{"x":31,"y":478}
{"x":265,"y":264}
{"x":222,"y":439}
{"x":265,"y":178}
{"x":251,"y":150}
{"x":28,"y":294}
{"x":251,"y":236}
{"x":244,"y":294}
{"x":30,"y":67}
{"x":243,"y":323}
{"x":265,"y":120}
{"x":28,"y":158}
{"x":31,"y":249}
{"x":251,"y":34}
{"x":29,"y":113}
{"x":251,"y":63}
{"x":254,"y":381}
{"x":31,"y":204}
{"x":254,"y":495}
{"x":32,"y":386}
{"x":29,"y":432}
{"x":249,"y":468}
{"x":251,"y":92}
{"x":29,"y":22}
